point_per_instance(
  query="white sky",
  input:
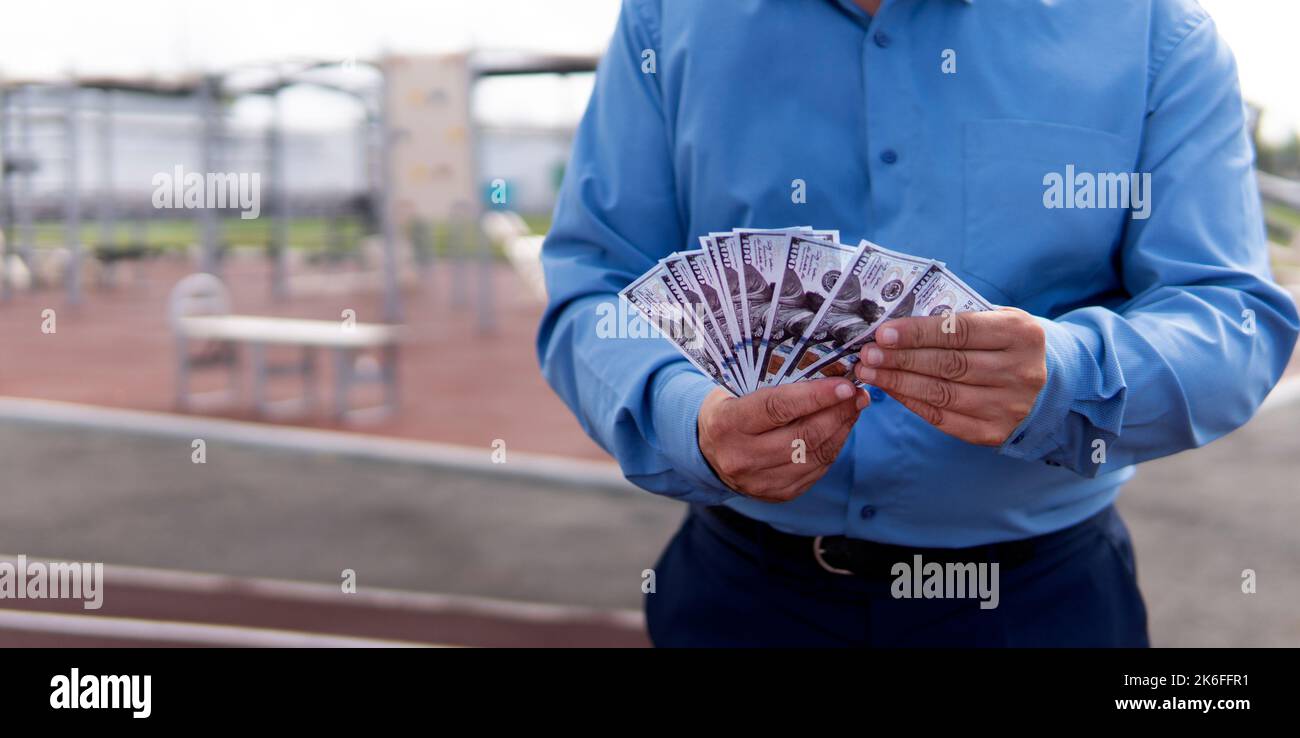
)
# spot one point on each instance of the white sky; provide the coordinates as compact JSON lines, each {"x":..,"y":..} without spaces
{"x":46,"y":38}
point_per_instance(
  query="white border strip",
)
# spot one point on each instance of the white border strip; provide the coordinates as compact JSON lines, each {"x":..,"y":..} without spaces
{"x":180,"y":581}
{"x":198,"y":634}
{"x":556,"y":469}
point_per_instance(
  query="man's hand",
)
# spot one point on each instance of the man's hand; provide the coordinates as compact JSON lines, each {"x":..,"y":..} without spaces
{"x":752,"y":441}
{"x":976,"y":381}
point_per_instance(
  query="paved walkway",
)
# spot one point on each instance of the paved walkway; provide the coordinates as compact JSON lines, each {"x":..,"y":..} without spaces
{"x":1198,"y":520}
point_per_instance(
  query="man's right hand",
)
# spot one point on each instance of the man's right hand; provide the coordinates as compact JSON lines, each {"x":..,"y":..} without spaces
{"x":751,"y":444}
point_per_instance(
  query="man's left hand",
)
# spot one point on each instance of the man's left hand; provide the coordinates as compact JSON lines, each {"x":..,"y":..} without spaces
{"x":974,"y":376}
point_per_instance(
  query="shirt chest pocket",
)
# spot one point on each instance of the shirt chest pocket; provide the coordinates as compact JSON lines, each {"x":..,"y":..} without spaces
{"x":1017,"y":235}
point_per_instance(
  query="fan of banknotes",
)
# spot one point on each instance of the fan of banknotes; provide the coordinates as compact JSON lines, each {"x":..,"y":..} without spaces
{"x":756,"y":308}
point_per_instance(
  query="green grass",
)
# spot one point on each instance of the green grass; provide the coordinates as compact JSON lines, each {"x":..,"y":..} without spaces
{"x":312,"y":234}
{"x":1283,"y":224}
{"x":308,"y":233}
{"x":1284,"y":215}
{"x":540,"y":224}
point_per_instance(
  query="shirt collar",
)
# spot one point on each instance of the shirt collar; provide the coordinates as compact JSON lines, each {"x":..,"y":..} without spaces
{"x":854,"y":6}
{"x":856,"y":11}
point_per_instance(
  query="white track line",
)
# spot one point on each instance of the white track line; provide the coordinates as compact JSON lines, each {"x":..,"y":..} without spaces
{"x":197,"y":634}
{"x":557,"y":469}
{"x":310,"y":592}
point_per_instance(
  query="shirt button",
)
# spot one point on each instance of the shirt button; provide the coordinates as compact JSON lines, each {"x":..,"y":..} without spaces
{"x":889,"y":156}
{"x":867,"y":512}
{"x":882,"y":39}
{"x":877,"y":394}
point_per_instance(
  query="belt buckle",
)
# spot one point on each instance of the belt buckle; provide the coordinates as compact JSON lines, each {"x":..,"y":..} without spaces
{"x":817,"y":554}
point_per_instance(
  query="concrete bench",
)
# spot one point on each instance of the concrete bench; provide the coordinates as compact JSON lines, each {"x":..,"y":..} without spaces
{"x":223,"y":334}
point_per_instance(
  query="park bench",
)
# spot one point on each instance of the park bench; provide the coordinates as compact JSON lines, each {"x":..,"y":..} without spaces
{"x":208,"y":334}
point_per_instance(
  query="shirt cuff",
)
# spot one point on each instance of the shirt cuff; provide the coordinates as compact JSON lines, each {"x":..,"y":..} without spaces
{"x":676,"y":397}
{"x":1039,"y":434}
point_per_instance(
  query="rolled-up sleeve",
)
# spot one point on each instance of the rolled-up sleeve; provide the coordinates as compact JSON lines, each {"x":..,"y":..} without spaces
{"x":1206,"y":333}
{"x":617,"y":215}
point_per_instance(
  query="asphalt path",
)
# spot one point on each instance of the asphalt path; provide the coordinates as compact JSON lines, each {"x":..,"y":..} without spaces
{"x":253,"y":520}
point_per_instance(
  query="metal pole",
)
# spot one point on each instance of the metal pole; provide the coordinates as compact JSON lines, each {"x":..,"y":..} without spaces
{"x":140,"y":237}
{"x":392,"y":293}
{"x":209,"y":110}
{"x":279,"y":199}
{"x":72,"y":194}
{"x":486,"y":306}
{"x":462,"y":220}
{"x":6,"y":191}
{"x":106,"y":204}
{"x":354,"y":209}
{"x":482,"y":247}
{"x":366,"y":166}
{"x":423,"y":245}
{"x":26,"y":232}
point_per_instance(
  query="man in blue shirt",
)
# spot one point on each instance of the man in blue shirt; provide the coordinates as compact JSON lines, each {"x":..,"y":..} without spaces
{"x":959,"y":131}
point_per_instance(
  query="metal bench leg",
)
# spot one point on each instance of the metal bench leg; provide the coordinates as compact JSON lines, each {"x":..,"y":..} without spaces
{"x":257,"y":354}
{"x":182,"y":373}
{"x":309,"y":399}
{"x":389,"y":369}
{"x":235,"y":380}
{"x":342,"y":381}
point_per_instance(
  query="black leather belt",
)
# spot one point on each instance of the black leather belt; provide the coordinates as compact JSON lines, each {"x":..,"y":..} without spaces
{"x":856,"y":557}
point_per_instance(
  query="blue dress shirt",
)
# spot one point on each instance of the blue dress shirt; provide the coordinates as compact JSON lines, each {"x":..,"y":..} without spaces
{"x":931,"y":128}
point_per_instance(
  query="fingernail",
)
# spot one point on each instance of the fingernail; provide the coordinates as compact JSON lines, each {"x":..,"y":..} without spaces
{"x":875,"y":356}
{"x":843,"y":390}
{"x":888,"y":336}
{"x":863,"y":399}
{"x":866,"y":373}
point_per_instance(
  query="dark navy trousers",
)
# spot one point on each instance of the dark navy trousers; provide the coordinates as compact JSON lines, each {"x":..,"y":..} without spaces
{"x":714,"y":587}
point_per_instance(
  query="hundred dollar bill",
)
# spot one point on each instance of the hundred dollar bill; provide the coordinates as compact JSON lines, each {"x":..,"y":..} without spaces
{"x":715,"y":296}
{"x":812,"y":269}
{"x":875,"y":280}
{"x":716,"y":248}
{"x":762,"y":263}
{"x":938,"y":292}
{"x":651,"y":296}
{"x":697,"y":299}
{"x":693,"y":343}
{"x":719,"y":248}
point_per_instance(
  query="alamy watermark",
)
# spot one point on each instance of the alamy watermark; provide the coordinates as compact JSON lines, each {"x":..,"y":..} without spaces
{"x":21,"y":579}
{"x":77,"y":691}
{"x":952,"y":580}
{"x":618,"y":319}
{"x":179,"y":189}
{"x":1103,"y":190}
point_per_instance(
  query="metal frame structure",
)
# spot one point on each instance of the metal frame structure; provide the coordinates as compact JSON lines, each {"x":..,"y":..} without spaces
{"x":17,"y":116}
{"x":211,"y":95}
